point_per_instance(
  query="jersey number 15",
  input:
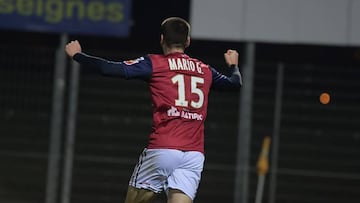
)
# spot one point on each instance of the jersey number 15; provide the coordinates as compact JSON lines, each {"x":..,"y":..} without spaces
{"x":181,"y":100}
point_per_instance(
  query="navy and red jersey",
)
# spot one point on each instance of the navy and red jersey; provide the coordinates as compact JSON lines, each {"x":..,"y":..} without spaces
{"x":179,"y":88}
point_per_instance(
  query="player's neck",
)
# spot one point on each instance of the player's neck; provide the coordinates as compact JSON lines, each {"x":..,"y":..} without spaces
{"x":172,"y":50}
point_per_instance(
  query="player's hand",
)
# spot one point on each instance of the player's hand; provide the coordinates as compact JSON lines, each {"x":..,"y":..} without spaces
{"x":231,"y":57}
{"x":72,"y":48}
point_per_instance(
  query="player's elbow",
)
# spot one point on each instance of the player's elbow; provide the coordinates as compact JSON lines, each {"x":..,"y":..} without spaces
{"x":237,"y":82}
{"x":240,"y":82}
{"x":108,"y":69}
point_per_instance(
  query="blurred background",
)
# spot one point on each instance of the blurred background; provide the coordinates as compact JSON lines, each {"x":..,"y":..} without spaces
{"x":68,"y":134}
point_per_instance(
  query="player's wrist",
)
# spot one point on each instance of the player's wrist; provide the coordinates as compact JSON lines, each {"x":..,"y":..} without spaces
{"x":233,"y":65}
{"x":76,"y":55}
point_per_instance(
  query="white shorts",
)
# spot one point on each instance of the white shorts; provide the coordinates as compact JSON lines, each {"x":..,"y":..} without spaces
{"x":161,"y":169}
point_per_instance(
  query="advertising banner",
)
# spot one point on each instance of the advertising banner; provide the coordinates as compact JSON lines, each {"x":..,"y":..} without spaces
{"x":92,"y":17}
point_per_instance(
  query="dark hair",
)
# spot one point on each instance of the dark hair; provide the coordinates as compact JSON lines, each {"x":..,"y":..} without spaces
{"x":175,"y":31}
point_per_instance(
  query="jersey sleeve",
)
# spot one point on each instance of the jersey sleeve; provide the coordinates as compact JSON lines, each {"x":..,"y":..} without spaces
{"x":140,"y":68}
{"x":223,"y":82}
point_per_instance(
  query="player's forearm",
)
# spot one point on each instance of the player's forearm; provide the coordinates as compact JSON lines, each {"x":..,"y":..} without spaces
{"x":235,"y":77}
{"x":222,"y":82}
{"x":101,"y":65}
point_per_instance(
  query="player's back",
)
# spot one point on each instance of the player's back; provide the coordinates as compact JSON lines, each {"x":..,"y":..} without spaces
{"x":179,"y":86}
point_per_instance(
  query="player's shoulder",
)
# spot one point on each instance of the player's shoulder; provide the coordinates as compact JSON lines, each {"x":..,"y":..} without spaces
{"x":200,"y":62}
{"x":197,"y":60}
{"x":156,"y":56}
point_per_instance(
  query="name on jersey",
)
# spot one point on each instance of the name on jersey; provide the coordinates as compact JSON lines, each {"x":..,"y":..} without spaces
{"x":174,"y":112}
{"x":184,"y":64}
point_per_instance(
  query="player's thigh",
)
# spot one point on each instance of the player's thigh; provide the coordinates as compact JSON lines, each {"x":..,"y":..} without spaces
{"x":187,"y":177}
{"x":137,"y":195}
{"x":177,"y":196}
{"x":154,"y":168}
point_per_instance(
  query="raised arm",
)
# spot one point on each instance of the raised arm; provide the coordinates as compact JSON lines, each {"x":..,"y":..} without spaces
{"x":140,"y":68}
{"x":223,"y":82}
{"x":73,"y":48}
{"x":231,"y":57}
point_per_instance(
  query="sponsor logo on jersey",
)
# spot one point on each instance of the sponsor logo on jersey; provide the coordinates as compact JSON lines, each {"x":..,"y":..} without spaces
{"x":134,"y":61}
{"x":174,"y":112}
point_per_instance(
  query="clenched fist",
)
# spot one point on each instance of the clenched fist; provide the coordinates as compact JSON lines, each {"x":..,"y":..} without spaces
{"x":231,"y":57}
{"x":72,"y":48}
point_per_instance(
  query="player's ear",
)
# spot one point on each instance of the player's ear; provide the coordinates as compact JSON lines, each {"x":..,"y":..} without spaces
{"x":187,"y":44}
{"x":161,"y":39}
